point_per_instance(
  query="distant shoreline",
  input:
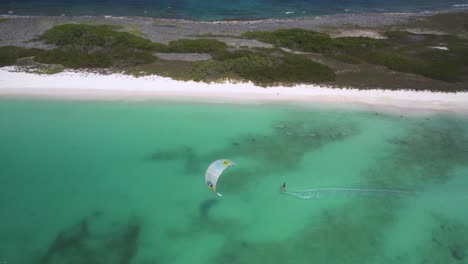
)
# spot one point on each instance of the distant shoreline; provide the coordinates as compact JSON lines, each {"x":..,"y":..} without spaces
{"x":453,"y":8}
{"x":356,"y":16}
{"x":240,"y":20}
{"x":116,"y":87}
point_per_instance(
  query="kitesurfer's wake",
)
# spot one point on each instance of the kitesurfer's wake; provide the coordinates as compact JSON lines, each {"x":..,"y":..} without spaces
{"x":316,"y":193}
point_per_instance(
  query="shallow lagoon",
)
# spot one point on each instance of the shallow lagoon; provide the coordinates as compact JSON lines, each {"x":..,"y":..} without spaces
{"x":115,"y":182}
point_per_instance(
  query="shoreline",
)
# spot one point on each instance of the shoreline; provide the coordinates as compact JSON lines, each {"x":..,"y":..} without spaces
{"x":250,"y":20}
{"x":236,"y":21}
{"x":117,"y":87}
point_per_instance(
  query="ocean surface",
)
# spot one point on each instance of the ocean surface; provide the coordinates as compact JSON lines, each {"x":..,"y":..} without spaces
{"x":220,"y":9}
{"x":123,"y":183}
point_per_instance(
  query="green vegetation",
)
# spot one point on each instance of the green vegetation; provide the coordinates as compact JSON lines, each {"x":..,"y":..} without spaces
{"x":178,"y":70}
{"x":102,"y":46}
{"x":10,"y":54}
{"x":118,"y":58}
{"x":402,"y":51}
{"x":296,"y":39}
{"x":106,"y":46}
{"x":265,"y":67}
{"x":90,"y":37}
{"x":47,"y":69}
{"x":54,"y":69}
{"x":196,"y":46}
{"x":451,"y":22}
{"x":417,"y":54}
{"x":262,"y":66}
{"x":133,"y":31}
{"x":311,"y":41}
{"x":2,"y":19}
{"x":96,"y":46}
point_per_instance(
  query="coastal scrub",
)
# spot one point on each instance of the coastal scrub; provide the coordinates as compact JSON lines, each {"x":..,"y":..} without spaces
{"x":196,"y":46}
{"x":10,"y":54}
{"x":96,"y":46}
{"x":264,"y":67}
{"x":402,"y":51}
{"x":296,"y":39}
{"x":102,"y":46}
{"x":344,"y":61}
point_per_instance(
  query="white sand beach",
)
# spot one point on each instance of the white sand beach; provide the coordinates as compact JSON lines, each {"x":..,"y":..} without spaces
{"x":118,"y":87}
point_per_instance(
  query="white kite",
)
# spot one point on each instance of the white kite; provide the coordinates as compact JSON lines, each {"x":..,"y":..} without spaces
{"x":214,"y":171}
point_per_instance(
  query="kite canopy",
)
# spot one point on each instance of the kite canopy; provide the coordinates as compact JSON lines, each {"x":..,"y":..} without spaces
{"x":214,"y":171}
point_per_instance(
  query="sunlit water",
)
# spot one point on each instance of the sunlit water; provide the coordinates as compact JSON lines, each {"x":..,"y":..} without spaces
{"x":220,"y":9}
{"x":114,"y":182}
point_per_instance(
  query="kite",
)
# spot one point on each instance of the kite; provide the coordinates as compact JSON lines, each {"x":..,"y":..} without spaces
{"x":214,"y":171}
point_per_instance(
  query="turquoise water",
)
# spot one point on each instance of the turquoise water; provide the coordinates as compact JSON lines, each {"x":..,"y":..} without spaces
{"x":221,"y":9}
{"x":114,"y":182}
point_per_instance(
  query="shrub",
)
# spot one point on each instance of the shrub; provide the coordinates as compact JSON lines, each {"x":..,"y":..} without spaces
{"x":90,"y":37}
{"x":196,"y":46}
{"x":10,"y":54}
{"x":263,"y":69}
{"x":95,"y":46}
{"x":296,"y":39}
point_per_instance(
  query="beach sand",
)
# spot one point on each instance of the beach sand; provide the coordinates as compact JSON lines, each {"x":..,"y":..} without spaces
{"x":118,"y":87}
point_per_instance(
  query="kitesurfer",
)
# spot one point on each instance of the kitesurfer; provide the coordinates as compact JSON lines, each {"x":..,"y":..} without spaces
{"x":283,"y":187}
